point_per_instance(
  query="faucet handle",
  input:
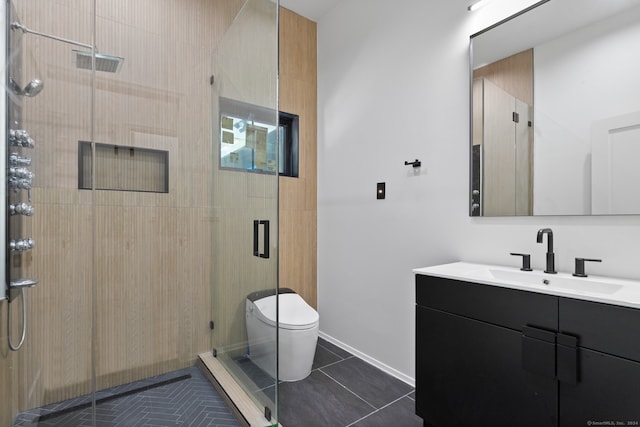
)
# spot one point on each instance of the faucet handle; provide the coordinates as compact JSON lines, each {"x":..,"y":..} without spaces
{"x":526,"y":261}
{"x":579,"y":272}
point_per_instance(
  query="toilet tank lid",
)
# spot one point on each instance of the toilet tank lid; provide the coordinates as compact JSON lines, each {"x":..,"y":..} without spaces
{"x":294,"y":311}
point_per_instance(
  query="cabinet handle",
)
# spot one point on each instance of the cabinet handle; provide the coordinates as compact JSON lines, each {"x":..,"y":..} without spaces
{"x":539,"y":351}
{"x":567,"y":359}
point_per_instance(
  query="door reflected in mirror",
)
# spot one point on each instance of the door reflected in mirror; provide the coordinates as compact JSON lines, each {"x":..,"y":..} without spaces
{"x":555,"y":111}
{"x":502,"y":130}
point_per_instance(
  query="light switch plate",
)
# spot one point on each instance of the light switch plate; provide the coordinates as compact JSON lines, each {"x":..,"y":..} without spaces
{"x":380,"y":193}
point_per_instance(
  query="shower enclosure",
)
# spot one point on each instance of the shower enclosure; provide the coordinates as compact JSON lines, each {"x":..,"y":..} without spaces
{"x":129,"y":247}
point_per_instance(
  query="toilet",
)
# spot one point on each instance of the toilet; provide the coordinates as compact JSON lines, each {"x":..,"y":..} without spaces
{"x":298,"y":333}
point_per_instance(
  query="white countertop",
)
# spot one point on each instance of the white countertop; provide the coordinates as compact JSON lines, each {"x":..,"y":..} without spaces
{"x":607,"y":290}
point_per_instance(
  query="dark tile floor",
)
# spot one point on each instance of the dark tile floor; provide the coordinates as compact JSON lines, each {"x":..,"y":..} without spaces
{"x":373,"y":398}
{"x":180,"y":398}
{"x":342,"y":391}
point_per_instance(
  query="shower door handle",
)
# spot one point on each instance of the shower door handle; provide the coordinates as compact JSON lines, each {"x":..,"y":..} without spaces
{"x":265,"y":238}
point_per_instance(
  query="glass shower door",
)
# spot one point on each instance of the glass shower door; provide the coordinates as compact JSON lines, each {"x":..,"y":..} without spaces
{"x":245,"y":202}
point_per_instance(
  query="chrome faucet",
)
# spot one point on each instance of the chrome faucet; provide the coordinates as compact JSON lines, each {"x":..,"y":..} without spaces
{"x":551,"y":267}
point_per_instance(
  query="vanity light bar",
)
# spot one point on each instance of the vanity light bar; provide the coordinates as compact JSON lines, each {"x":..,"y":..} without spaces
{"x":477,"y":5}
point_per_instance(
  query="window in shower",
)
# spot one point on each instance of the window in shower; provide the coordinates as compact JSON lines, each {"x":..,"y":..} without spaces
{"x":124,"y":168}
{"x":253,"y":139}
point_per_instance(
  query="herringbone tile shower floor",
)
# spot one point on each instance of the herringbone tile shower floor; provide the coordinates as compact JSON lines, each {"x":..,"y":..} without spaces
{"x":181,"y":398}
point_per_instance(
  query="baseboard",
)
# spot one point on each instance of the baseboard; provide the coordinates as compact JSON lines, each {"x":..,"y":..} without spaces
{"x":383,"y":367}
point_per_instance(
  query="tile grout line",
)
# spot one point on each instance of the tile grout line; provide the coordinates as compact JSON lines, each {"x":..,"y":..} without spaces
{"x":379,"y":409}
{"x":347,"y":388}
{"x":334,"y":353}
{"x":333,"y":363}
{"x":342,"y":359}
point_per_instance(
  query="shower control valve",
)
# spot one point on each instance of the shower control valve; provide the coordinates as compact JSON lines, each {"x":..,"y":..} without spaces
{"x":22,"y":173}
{"x":20,"y":138}
{"x":21,"y":245}
{"x":15,"y":160}
{"x":21,"y":209}
{"x":19,"y":183}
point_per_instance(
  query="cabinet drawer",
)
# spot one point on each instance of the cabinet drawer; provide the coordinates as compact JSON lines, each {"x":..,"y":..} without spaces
{"x":602,"y":327}
{"x":500,"y":306}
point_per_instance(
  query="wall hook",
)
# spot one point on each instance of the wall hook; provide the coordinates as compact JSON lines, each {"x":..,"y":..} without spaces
{"x":415,"y":164}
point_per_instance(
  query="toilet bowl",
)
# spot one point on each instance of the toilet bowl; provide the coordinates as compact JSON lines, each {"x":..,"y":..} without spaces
{"x":297,"y":334}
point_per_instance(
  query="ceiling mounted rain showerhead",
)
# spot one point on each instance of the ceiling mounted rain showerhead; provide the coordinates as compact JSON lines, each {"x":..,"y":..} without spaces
{"x":33,"y":88}
{"x":106,"y":63}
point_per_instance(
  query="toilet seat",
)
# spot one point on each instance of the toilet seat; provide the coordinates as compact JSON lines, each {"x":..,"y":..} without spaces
{"x":295,"y":313}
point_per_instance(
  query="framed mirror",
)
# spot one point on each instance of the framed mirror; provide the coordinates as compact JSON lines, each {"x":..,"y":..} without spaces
{"x":555,"y":111}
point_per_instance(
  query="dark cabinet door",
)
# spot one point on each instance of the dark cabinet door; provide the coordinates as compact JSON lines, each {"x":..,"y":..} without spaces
{"x":607,"y":387}
{"x":470,"y":373}
{"x":608,"y":390}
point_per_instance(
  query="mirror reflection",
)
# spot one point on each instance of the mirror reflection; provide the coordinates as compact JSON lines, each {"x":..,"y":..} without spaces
{"x":555,"y":112}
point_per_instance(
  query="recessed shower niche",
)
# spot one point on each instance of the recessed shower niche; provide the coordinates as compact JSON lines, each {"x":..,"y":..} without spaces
{"x":123,"y":168}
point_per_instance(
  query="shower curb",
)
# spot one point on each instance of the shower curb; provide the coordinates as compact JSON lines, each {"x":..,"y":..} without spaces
{"x":238,"y":401}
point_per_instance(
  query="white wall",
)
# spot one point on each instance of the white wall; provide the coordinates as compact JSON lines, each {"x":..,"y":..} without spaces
{"x":393,"y":86}
{"x":576,"y":63}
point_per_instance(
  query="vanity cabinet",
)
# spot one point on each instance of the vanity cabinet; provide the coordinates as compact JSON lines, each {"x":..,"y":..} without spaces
{"x":493,"y":356}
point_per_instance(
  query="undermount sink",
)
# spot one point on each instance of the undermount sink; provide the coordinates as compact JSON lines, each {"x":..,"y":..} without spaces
{"x":547,"y":280}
